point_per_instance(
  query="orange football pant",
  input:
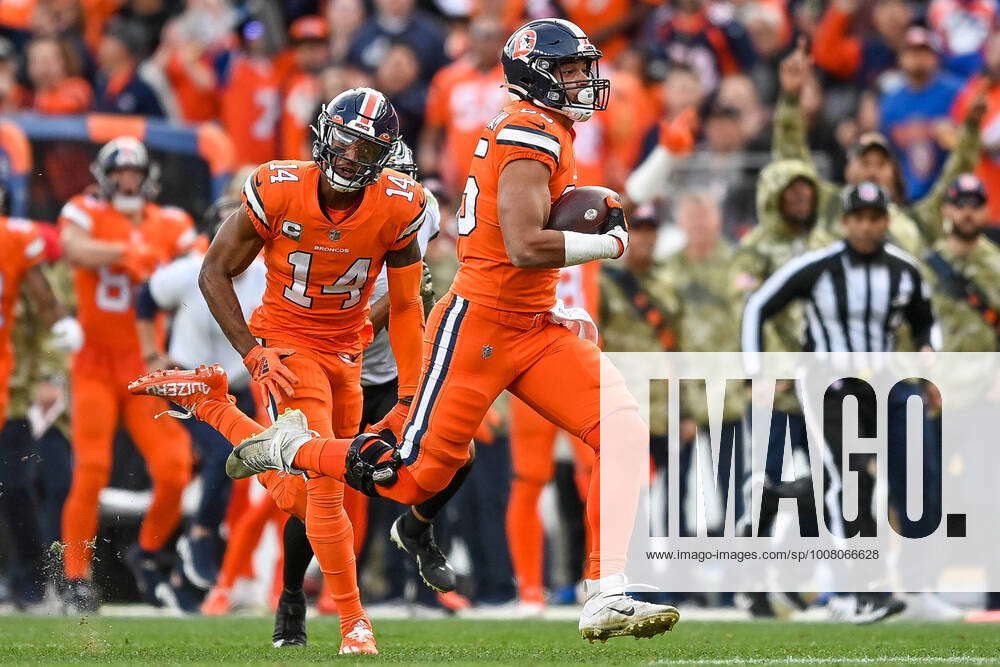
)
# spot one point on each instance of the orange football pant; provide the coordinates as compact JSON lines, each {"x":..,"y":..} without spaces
{"x":100,"y":402}
{"x":329,"y":394}
{"x":471,"y":354}
{"x":532,"y":445}
{"x":244,"y":536}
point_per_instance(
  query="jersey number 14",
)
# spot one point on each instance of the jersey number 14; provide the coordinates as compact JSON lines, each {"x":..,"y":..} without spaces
{"x":349,"y":284}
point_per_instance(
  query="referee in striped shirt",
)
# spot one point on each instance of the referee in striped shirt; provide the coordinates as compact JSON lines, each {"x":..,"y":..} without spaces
{"x":856,"y":293}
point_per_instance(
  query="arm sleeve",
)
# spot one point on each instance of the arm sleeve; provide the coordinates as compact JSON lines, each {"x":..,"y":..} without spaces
{"x":835,"y":49}
{"x":789,"y":142}
{"x":790,"y":282}
{"x":649,"y":181}
{"x":145,"y":305}
{"x":927,"y":210}
{"x":406,"y":324}
{"x":920,"y":315}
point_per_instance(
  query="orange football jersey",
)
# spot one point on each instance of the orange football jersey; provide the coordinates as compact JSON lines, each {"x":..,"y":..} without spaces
{"x":298,"y":110}
{"x":106,"y":296}
{"x":250,"y":108}
{"x":486,"y":275}
{"x":461,"y":99}
{"x":322,"y":264}
{"x":21,"y":247}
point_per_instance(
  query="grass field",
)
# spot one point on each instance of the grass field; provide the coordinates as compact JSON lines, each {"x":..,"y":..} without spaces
{"x":245,"y":640}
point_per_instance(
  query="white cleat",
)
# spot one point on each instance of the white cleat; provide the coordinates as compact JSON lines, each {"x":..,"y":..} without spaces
{"x":272,"y":449}
{"x":611,"y":613}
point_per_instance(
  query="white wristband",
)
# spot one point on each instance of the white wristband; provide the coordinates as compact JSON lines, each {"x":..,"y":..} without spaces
{"x":581,"y":248}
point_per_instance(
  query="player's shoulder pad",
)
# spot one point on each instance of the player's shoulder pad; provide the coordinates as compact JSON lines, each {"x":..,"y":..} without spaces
{"x":407,"y":198}
{"x":20,"y":225}
{"x":522,"y":127}
{"x":176,"y":214}
{"x":272,"y":185}
{"x":81,"y":209}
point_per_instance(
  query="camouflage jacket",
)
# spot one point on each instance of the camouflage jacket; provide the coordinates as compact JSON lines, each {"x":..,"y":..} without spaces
{"x":707,"y":318}
{"x":769,"y":246}
{"x":35,"y":360}
{"x":913,"y":227}
{"x":962,"y":326}
{"x":624,"y":330}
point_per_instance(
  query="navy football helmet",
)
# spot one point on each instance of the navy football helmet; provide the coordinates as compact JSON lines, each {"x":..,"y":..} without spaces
{"x":355,"y":134}
{"x":402,"y":160}
{"x":531,"y":60}
{"x":125,"y":153}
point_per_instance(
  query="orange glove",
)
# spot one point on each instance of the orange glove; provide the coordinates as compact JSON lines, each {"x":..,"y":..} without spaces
{"x":139,"y":261}
{"x":677,"y":136}
{"x":266,"y":369}
{"x":395,"y":420}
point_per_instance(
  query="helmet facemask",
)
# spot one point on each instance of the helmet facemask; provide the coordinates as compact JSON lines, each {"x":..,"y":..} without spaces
{"x":350,"y":158}
{"x":120,"y":154}
{"x":592,"y":93}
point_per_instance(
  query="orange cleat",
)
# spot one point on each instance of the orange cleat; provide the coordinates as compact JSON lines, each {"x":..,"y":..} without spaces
{"x":361,"y":639}
{"x":454,"y":601}
{"x":217,"y":602}
{"x":188,"y":389}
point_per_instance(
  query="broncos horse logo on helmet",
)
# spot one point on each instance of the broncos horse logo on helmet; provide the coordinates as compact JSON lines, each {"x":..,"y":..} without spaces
{"x":531,"y":60}
{"x":355,"y":135}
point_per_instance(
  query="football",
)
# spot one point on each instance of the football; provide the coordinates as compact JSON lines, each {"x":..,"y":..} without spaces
{"x":581,"y":210}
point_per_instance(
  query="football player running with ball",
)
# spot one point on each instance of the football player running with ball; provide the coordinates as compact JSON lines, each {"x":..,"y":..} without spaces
{"x":493,"y":331}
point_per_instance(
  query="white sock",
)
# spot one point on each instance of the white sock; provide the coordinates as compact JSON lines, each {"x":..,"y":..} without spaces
{"x":613,"y":583}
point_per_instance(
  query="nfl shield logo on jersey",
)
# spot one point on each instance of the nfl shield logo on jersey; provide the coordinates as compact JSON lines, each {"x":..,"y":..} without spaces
{"x":487,"y":351}
{"x":334,"y":234}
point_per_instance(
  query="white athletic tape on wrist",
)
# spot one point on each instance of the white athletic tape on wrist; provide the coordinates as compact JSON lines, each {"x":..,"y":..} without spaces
{"x":582,"y":248}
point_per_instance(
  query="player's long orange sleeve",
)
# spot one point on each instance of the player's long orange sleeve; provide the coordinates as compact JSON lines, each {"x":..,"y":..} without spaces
{"x":835,"y":49}
{"x":406,"y":324}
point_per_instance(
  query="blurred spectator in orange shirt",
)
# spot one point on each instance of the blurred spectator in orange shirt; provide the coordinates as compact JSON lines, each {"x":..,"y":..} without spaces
{"x":632,"y":111}
{"x":15,"y":15}
{"x":988,"y":168}
{"x":311,"y":53}
{"x":119,"y":88}
{"x":250,"y":101}
{"x":463,"y":97}
{"x":842,"y":48}
{"x":12,"y":96}
{"x":609,"y":23}
{"x":52,"y":70}
{"x":188,"y":50}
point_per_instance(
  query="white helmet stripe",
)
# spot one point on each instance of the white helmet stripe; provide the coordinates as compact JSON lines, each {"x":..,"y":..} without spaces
{"x":572,"y":27}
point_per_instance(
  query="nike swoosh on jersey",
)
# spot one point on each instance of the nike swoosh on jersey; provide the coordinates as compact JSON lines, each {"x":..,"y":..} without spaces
{"x":540,"y":126}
